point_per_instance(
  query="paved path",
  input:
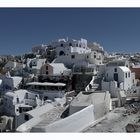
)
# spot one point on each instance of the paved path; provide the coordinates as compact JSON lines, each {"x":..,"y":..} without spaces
{"x":49,"y":117}
{"x":115,"y":121}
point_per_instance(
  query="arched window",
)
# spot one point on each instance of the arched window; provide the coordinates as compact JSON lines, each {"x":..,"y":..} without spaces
{"x":61,"y":53}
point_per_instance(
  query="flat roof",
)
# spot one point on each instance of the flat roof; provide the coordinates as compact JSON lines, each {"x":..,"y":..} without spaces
{"x":125,"y":69}
{"x":12,"y":94}
{"x":46,"y":84}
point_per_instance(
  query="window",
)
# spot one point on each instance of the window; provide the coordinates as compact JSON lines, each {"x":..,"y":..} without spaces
{"x":26,"y":95}
{"x":20,"y":110}
{"x":126,"y":75}
{"x":46,"y":97}
{"x":46,"y":67}
{"x":115,"y":69}
{"x":134,"y":91}
{"x":61,"y":53}
{"x":87,"y":56}
{"x":61,"y":45}
{"x":26,"y":117}
{"x":107,"y":75}
{"x":34,"y":63}
{"x":70,"y":44}
{"x":47,"y":72}
{"x":94,"y":56}
{"x":72,"y":56}
{"x":17,"y":100}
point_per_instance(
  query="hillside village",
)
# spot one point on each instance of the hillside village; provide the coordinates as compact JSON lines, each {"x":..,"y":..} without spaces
{"x":65,"y":80}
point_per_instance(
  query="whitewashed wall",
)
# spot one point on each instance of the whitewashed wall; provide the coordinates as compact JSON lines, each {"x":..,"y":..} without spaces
{"x":74,"y":123}
{"x":67,"y":60}
{"x":111,"y":87}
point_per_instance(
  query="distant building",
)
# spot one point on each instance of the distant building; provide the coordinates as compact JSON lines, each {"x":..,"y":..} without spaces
{"x":119,"y":62}
{"x":64,"y":47}
{"x":12,"y":65}
{"x":71,"y":51}
{"x":97,"y":53}
{"x":39,"y":49}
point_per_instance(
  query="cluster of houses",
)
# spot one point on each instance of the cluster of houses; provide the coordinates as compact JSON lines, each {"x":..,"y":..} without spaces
{"x":75,"y":76}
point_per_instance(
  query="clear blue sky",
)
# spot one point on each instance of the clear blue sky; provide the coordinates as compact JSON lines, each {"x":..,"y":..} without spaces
{"x":117,"y":30}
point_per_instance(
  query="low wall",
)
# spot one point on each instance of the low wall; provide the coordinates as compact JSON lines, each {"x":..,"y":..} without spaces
{"x":74,"y":123}
{"x":25,"y":127}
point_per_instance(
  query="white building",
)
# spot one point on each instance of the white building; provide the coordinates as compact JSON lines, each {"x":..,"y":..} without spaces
{"x":72,"y":59}
{"x":16,"y":102}
{"x":9,"y":83}
{"x":122,"y":75}
{"x":20,"y":101}
{"x":64,"y":47}
{"x":71,"y":51}
{"x":54,"y":69}
{"x":97,"y":53}
{"x":34,"y":65}
{"x":118,"y":77}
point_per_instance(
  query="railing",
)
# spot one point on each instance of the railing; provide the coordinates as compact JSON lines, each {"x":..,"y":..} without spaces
{"x":93,"y":86}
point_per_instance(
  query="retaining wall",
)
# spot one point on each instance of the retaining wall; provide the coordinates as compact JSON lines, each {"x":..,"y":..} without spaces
{"x":74,"y":123}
